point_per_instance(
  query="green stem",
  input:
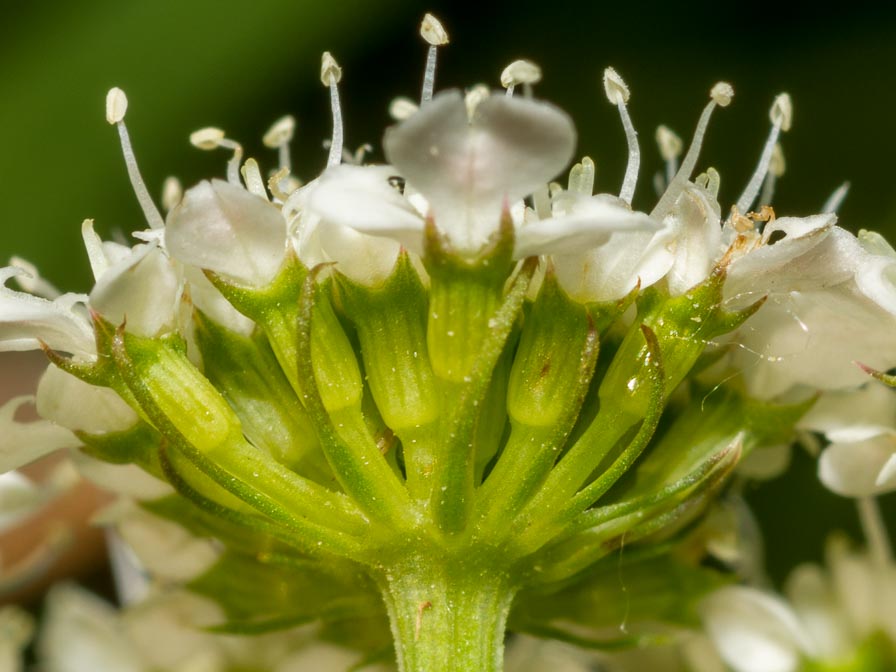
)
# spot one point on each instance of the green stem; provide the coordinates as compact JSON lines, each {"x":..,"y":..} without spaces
{"x":447,"y":616}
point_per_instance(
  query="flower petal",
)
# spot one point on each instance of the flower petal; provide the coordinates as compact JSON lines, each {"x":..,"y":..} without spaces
{"x":754,"y":631}
{"x":694,"y":235}
{"x":361,"y":198}
{"x":853,"y":415}
{"x":78,"y":406}
{"x":852,"y":469}
{"x":142,"y":289}
{"x":23,"y":442}
{"x":224,"y":228}
{"x":587,"y":223}
{"x":468,"y":168}
{"x":26,"y":320}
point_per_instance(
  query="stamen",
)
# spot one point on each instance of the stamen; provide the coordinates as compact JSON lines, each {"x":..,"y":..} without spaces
{"x":581,"y":177}
{"x":434,"y":33}
{"x":213,"y":138}
{"x":836,"y":199}
{"x":618,"y":94}
{"x":279,"y":136}
{"x":781,"y":115}
{"x":776,"y":169}
{"x":94,"y":246}
{"x":401,"y":108}
{"x":172,"y":193}
{"x":876,"y":535}
{"x":522,"y":72}
{"x":721,"y":95}
{"x":330,"y":74}
{"x":252,"y":176}
{"x":671,"y":146}
{"x":116,"y":107}
{"x":474,"y":96}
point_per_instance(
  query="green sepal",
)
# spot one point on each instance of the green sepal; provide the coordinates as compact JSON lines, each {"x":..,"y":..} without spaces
{"x":391,"y":323}
{"x":551,"y":373}
{"x":137,"y":445}
{"x":455,"y":469}
{"x":465,"y":292}
{"x":246,"y":372}
{"x":199,"y":425}
{"x":642,"y":589}
{"x":351,"y":450}
{"x":257,"y":597}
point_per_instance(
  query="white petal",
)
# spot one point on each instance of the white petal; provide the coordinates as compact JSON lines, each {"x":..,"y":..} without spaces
{"x":26,"y":320}
{"x":23,"y":442}
{"x":876,"y":277}
{"x":78,"y":406}
{"x":609,"y":272}
{"x":365,"y":259}
{"x":210,"y":301}
{"x":224,"y":228}
{"x":124,"y":479}
{"x":766,"y":462}
{"x":754,"y":631}
{"x":165,"y":549}
{"x":853,"y":415}
{"x":694,"y":235}
{"x":361,"y":198}
{"x":812,"y":597}
{"x":587,"y":223}
{"x":852,"y":469}
{"x":467,"y":169}
{"x":784,"y":342}
{"x":143,"y":289}
{"x":81,"y":632}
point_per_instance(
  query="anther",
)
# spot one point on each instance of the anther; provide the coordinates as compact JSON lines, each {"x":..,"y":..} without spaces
{"x":776,"y":168}
{"x":474,"y":96}
{"x":116,"y":107}
{"x":212,"y":138}
{"x":279,"y":136}
{"x":519,"y":72}
{"x":401,"y":108}
{"x":618,"y":94}
{"x":581,"y":177}
{"x":330,"y":74}
{"x":781,"y":115}
{"x":172,"y":193}
{"x":431,"y":30}
{"x":252,"y":177}
{"x":720,"y":95}
{"x":671,"y":146}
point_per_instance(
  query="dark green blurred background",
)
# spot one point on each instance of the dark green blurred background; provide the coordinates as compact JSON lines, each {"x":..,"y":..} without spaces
{"x":241,"y":65}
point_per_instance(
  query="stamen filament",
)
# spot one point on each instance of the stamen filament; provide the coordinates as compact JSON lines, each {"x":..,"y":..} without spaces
{"x":330,"y":74}
{"x":775,"y":170}
{"x":876,"y":535}
{"x":721,"y":94}
{"x":835,"y":200}
{"x":116,"y":106}
{"x":434,"y":33}
{"x":618,"y":94}
{"x":781,"y":115}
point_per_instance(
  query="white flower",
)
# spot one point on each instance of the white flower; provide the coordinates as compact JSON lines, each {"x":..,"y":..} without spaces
{"x":224,"y":228}
{"x":829,"y":613}
{"x":861,"y":427}
{"x":462,"y":171}
{"x":16,"y":628}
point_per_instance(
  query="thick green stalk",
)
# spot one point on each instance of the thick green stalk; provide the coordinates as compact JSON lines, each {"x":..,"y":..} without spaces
{"x":447,"y":615}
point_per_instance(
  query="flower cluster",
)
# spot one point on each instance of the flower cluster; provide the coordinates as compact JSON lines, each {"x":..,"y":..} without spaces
{"x":422,"y":403}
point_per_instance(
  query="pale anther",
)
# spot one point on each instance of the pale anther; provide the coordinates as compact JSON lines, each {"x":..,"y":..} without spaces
{"x":212,"y":138}
{"x":401,"y":108}
{"x":519,"y":72}
{"x":615,"y":87}
{"x":280,"y":132}
{"x":116,"y":105}
{"x":432,"y":30}
{"x":252,"y":177}
{"x":474,"y":96}
{"x":330,"y":72}
{"x":669,"y":142}
{"x":172,"y":193}
{"x":781,"y":115}
{"x":722,"y":93}
{"x":207,"y":138}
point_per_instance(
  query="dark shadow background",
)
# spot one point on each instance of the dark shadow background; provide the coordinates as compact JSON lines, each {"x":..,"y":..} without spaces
{"x":240,"y":66}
